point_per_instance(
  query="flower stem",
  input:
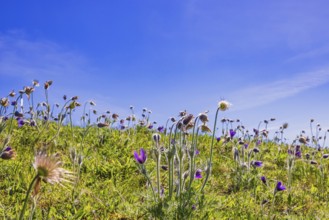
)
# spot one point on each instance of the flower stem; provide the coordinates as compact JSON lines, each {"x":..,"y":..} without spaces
{"x":21,"y":216}
{"x":210,"y":157}
{"x":148,"y":179}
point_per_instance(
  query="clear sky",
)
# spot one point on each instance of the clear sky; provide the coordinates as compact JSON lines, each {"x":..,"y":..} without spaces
{"x":268,"y":58}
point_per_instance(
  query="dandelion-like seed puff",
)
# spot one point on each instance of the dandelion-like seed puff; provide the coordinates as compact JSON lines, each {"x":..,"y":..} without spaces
{"x":48,"y":170}
{"x":224,"y":105}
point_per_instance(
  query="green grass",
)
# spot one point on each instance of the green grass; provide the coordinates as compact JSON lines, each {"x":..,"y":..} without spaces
{"x":111,"y":186}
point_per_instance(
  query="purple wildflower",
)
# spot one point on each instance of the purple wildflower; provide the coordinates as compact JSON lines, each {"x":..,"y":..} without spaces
{"x":20,"y":122}
{"x":263,"y":179}
{"x":256,"y":150}
{"x":140,"y":158}
{"x":197,"y":152}
{"x":198,"y":174}
{"x":257,"y":163}
{"x":279,"y":187}
{"x":218,"y":139}
{"x":246,"y":146}
{"x":325,"y":156}
{"x":161,"y":129}
{"x":232,"y":133}
{"x":18,"y":114}
{"x":298,"y":154}
{"x":256,"y":132}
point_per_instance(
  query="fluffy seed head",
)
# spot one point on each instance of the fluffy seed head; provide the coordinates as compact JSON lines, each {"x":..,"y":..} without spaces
{"x":49,"y":169}
{"x":224,"y":105}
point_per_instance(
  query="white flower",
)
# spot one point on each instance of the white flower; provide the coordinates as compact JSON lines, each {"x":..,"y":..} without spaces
{"x":224,"y":105}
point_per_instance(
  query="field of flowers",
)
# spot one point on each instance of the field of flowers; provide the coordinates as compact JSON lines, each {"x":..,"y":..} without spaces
{"x":113,"y":166}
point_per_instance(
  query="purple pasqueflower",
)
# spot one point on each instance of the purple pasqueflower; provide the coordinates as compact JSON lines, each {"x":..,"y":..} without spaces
{"x":198,"y":174}
{"x":256,"y":131}
{"x":20,"y":122}
{"x":279,"y":187}
{"x":218,"y":139}
{"x":246,"y":146}
{"x":197,"y":152}
{"x":298,"y":154}
{"x":232,"y":133}
{"x":140,"y":158}
{"x":263,"y":179}
{"x":325,"y":156}
{"x":257,"y":163}
{"x":256,"y":150}
{"x":161,"y":129}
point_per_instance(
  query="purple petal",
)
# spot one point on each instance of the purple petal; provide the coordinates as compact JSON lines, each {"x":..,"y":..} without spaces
{"x":198,"y":174}
{"x":142,"y":155}
{"x":7,"y":149}
{"x":280,"y":187}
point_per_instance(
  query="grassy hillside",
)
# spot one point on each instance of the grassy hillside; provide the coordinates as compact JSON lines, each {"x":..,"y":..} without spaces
{"x":250,"y":175}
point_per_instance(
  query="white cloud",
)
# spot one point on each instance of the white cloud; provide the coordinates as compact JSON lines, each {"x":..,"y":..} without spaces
{"x":310,"y":54}
{"x":268,"y":92}
{"x":22,"y":57}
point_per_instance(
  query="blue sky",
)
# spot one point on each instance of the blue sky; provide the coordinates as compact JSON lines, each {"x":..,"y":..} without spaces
{"x":268,"y":58}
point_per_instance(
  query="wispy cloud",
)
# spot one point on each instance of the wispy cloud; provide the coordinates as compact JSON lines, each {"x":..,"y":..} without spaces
{"x":23,"y":59}
{"x":310,"y":54}
{"x":268,"y":92}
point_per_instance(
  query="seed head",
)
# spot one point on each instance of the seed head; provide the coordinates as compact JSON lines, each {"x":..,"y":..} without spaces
{"x":102,"y":125}
{"x":48,"y":84}
{"x":203,"y":118}
{"x":205,"y":128}
{"x":285,"y":125}
{"x":224,"y":105}
{"x":187,"y":119}
{"x":302,"y":140}
{"x":4,"y":102}
{"x":12,"y":93}
{"x":35,"y":83}
{"x":8,"y":153}
{"x":49,"y":169}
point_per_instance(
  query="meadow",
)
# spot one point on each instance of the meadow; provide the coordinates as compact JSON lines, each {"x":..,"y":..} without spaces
{"x":113,"y":166}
